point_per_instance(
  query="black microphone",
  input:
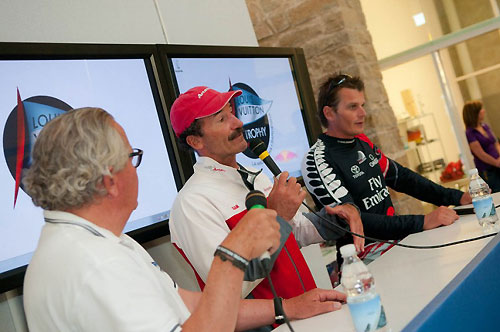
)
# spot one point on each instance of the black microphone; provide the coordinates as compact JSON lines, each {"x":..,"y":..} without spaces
{"x":259,"y":148}
{"x":257,"y":200}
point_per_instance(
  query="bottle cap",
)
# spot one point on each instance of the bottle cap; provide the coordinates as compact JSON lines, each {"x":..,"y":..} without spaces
{"x":473,"y":171}
{"x":348,"y":250}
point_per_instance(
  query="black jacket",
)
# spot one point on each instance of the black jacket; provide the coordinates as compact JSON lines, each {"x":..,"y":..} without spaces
{"x":355,"y":170}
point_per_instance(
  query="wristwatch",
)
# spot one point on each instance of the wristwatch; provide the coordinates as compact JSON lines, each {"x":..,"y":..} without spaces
{"x":279,"y":316}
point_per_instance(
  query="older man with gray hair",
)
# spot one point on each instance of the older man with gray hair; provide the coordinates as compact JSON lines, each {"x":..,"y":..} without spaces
{"x":86,"y":275}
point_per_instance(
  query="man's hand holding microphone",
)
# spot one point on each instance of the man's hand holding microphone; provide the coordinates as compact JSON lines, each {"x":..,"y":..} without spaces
{"x":256,"y":233}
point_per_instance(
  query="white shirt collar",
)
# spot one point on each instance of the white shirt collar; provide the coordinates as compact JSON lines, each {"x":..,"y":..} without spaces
{"x":207,"y":164}
{"x":72,"y":219}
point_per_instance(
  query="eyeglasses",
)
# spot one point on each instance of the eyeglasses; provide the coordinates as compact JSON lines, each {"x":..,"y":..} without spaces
{"x":341,"y":79}
{"x":136,"y":156}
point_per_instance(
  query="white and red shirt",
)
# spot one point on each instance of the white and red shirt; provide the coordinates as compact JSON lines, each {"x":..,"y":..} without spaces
{"x":206,"y":209}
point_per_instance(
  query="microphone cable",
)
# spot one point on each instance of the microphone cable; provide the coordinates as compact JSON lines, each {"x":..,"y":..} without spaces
{"x":397,"y":243}
{"x":275,"y":295}
{"x":255,"y":199}
{"x":257,"y":146}
{"x":268,"y":272}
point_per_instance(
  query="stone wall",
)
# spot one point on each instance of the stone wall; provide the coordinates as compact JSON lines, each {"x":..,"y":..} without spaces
{"x":334,"y":37}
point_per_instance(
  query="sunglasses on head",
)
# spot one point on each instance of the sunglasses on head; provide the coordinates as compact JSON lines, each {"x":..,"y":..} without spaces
{"x":340,"y":79}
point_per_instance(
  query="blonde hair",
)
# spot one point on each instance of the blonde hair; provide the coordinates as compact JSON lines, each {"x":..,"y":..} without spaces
{"x":71,"y":155}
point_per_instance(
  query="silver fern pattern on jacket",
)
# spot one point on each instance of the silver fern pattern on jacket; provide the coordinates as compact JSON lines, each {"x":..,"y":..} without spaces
{"x":320,"y":178}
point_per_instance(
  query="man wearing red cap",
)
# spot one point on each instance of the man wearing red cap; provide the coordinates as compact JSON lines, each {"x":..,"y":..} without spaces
{"x":86,"y":275}
{"x":212,"y":201}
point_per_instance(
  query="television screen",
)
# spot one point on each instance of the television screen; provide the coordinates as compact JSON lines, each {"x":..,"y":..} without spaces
{"x":270,"y":106}
{"x":39,"y":90}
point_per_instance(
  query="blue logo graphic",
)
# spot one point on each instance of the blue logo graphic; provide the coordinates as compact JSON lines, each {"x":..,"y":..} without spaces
{"x":253,"y":112}
{"x":21,"y":130}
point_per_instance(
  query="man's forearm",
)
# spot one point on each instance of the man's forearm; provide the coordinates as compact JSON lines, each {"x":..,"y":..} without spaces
{"x":218,"y":306}
{"x":391,"y":227}
{"x":326,"y":226}
{"x":304,"y":231}
{"x":255,"y":313}
{"x":406,"y":181}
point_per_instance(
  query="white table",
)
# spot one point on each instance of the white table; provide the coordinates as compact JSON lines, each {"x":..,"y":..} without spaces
{"x":408,"y":279}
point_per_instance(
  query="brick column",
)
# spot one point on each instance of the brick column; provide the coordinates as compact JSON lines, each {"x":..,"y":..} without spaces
{"x":334,"y":37}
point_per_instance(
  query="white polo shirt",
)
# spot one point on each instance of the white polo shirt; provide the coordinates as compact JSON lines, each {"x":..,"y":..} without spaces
{"x":84,"y":278}
{"x":212,"y":196}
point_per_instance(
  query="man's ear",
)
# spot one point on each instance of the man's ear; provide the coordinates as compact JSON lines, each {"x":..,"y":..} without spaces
{"x":195,"y":142}
{"x":328,"y":113}
{"x":109,"y":183}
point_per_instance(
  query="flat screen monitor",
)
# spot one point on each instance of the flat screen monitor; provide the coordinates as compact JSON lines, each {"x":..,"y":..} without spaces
{"x":41,"y":86}
{"x":272,"y":105}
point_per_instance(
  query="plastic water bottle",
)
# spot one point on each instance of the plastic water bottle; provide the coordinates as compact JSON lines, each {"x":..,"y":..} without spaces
{"x":364,"y":302}
{"x":482,"y":201}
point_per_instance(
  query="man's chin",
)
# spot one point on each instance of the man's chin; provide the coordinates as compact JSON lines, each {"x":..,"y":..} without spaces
{"x":242,"y":145}
{"x":359,"y":129}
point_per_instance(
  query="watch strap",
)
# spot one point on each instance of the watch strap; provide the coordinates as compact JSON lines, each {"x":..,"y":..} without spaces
{"x":279,"y":316}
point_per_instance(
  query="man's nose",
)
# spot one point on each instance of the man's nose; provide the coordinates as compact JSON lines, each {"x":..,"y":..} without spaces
{"x":362,"y":111}
{"x":236,"y":122}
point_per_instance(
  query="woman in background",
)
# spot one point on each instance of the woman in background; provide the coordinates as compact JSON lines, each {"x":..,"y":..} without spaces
{"x":483,"y":144}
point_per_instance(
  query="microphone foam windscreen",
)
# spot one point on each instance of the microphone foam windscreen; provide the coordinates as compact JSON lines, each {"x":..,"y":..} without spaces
{"x":255,"y":197}
{"x":257,"y":146}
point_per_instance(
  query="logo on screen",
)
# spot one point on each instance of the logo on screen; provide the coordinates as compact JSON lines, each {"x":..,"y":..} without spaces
{"x":21,"y":129}
{"x":253,"y":112}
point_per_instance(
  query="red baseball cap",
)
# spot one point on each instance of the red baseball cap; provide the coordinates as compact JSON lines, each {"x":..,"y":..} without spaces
{"x":197,"y":103}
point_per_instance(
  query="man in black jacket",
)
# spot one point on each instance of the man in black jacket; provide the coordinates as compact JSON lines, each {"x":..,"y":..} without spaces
{"x":345,"y":166}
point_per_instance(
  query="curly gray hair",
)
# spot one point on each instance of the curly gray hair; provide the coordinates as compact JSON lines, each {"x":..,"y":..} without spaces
{"x":71,"y":155}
